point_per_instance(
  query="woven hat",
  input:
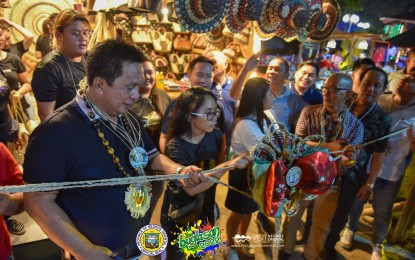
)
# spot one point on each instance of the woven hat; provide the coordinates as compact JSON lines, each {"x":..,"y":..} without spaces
{"x":331,"y":9}
{"x":242,"y":36}
{"x":318,"y":172}
{"x":201,"y":16}
{"x":261,"y":34}
{"x":236,"y":19}
{"x":253,"y":9}
{"x":271,"y":15}
{"x":317,"y":18}
{"x":293,"y":21}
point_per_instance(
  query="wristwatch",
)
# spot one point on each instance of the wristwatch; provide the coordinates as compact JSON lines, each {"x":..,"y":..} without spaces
{"x":371,"y":185}
{"x":178,"y":169}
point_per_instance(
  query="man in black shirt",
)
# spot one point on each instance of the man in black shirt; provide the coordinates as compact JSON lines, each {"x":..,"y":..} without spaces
{"x":57,"y":76}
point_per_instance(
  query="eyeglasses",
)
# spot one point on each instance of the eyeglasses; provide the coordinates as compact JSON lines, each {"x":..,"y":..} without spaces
{"x":327,"y":90}
{"x":210,"y":116}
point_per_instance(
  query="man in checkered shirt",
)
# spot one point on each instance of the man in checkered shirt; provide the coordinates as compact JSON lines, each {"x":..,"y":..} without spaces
{"x":340,"y":130}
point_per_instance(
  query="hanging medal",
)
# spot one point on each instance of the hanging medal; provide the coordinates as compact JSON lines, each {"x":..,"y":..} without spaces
{"x":137,"y":196}
{"x":137,"y":199}
{"x":138,"y":157}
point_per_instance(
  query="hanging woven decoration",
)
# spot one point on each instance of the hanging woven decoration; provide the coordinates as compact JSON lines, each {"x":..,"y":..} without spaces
{"x":285,"y":169}
{"x":31,"y":15}
{"x":201,"y":16}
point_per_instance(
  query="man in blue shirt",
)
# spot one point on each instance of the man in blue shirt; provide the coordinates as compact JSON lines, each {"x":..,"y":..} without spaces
{"x":221,"y":86}
{"x":303,"y":84}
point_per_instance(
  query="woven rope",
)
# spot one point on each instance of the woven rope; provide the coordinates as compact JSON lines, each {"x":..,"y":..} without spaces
{"x":104,"y":182}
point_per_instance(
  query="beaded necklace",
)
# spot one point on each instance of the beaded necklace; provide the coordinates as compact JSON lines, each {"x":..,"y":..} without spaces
{"x":137,"y":196}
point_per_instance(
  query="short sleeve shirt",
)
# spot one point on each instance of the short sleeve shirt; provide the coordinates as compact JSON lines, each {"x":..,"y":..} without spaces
{"x":12,"y":66}
{"x":377,"y":124}
{"x":287,"y":107}
{"x":228,"y":103}
{"x":205,"y":155}
{"x":312,"y":96}
{"x":57,"y":79}
{"x":66,"y":147}
{"x":43,"y":45}
{"x":17,"y":49}
{"x":245,"y":135}
{"x":145,"y":109}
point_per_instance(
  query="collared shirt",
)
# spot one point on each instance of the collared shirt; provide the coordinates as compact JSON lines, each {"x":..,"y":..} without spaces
{"x":224,"y":96}
{"x":348,"y":128}
{"x":286,"y":108}
{"x":377,"y":124}
{"x":398,"y":147}
{"x":309,"y":123}
{"x":312,"y":96}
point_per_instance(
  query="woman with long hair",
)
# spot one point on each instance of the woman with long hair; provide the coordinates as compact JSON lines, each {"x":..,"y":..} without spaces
{"x":193,"y":139}
{"x":44,"y":42}
{"x":249,"y":127}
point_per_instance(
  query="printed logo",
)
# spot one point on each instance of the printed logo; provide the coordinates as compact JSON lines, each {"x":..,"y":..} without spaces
{"x":243,"y":238}
{"x":199,"y":239}
{"x":151,"y":240}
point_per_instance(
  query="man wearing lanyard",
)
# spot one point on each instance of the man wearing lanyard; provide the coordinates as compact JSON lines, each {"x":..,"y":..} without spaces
{"x":340,"y":130}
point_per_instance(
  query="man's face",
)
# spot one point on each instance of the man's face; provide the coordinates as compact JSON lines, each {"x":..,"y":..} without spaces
{"x":356,"y":77}
{"x":7,"y":39}
{"x":411,"y":62}
{"x":201,"y":75}
{"x":335,"y":92}
{"x":276,"y":72}
{"x":150,"y":77}
{"x":74,"y":39}
{"x":372,"y":86}
{"x":305,"y":77}
{"x":118,"y":98}
{"x":220,"y":65}
{"x":406,"y":85}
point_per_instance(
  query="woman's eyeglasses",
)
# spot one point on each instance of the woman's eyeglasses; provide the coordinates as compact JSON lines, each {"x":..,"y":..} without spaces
{"x":210,"y":116}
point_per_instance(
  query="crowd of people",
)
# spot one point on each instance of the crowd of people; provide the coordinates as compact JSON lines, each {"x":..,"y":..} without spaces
{"x":99,"y":106}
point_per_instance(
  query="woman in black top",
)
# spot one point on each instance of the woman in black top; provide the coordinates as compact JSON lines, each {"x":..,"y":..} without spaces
{"x":45,"y":40}
{"x":193,"y":139}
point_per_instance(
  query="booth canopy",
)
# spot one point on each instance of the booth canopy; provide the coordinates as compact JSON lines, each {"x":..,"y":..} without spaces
{"x":405,"y":40}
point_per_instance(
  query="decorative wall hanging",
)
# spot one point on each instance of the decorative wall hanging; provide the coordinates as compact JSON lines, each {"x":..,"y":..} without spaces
{"x":31,"y":15}
{"x":180,"y":64}
{"x":201,"y":16}
{"x":162,"y":40}
{"x":296,"y":19}
{"x":182,"y":42}
{"x":332,"y":10}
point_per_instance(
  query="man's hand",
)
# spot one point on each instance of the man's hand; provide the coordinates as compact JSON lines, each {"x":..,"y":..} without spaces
{"x":349,"y":157}
{"x":195,"y":177}
{"x":337,"y":145}
{"x":252,"y":62}
{"x":7,"y":205}
{"x":364,"y":192}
